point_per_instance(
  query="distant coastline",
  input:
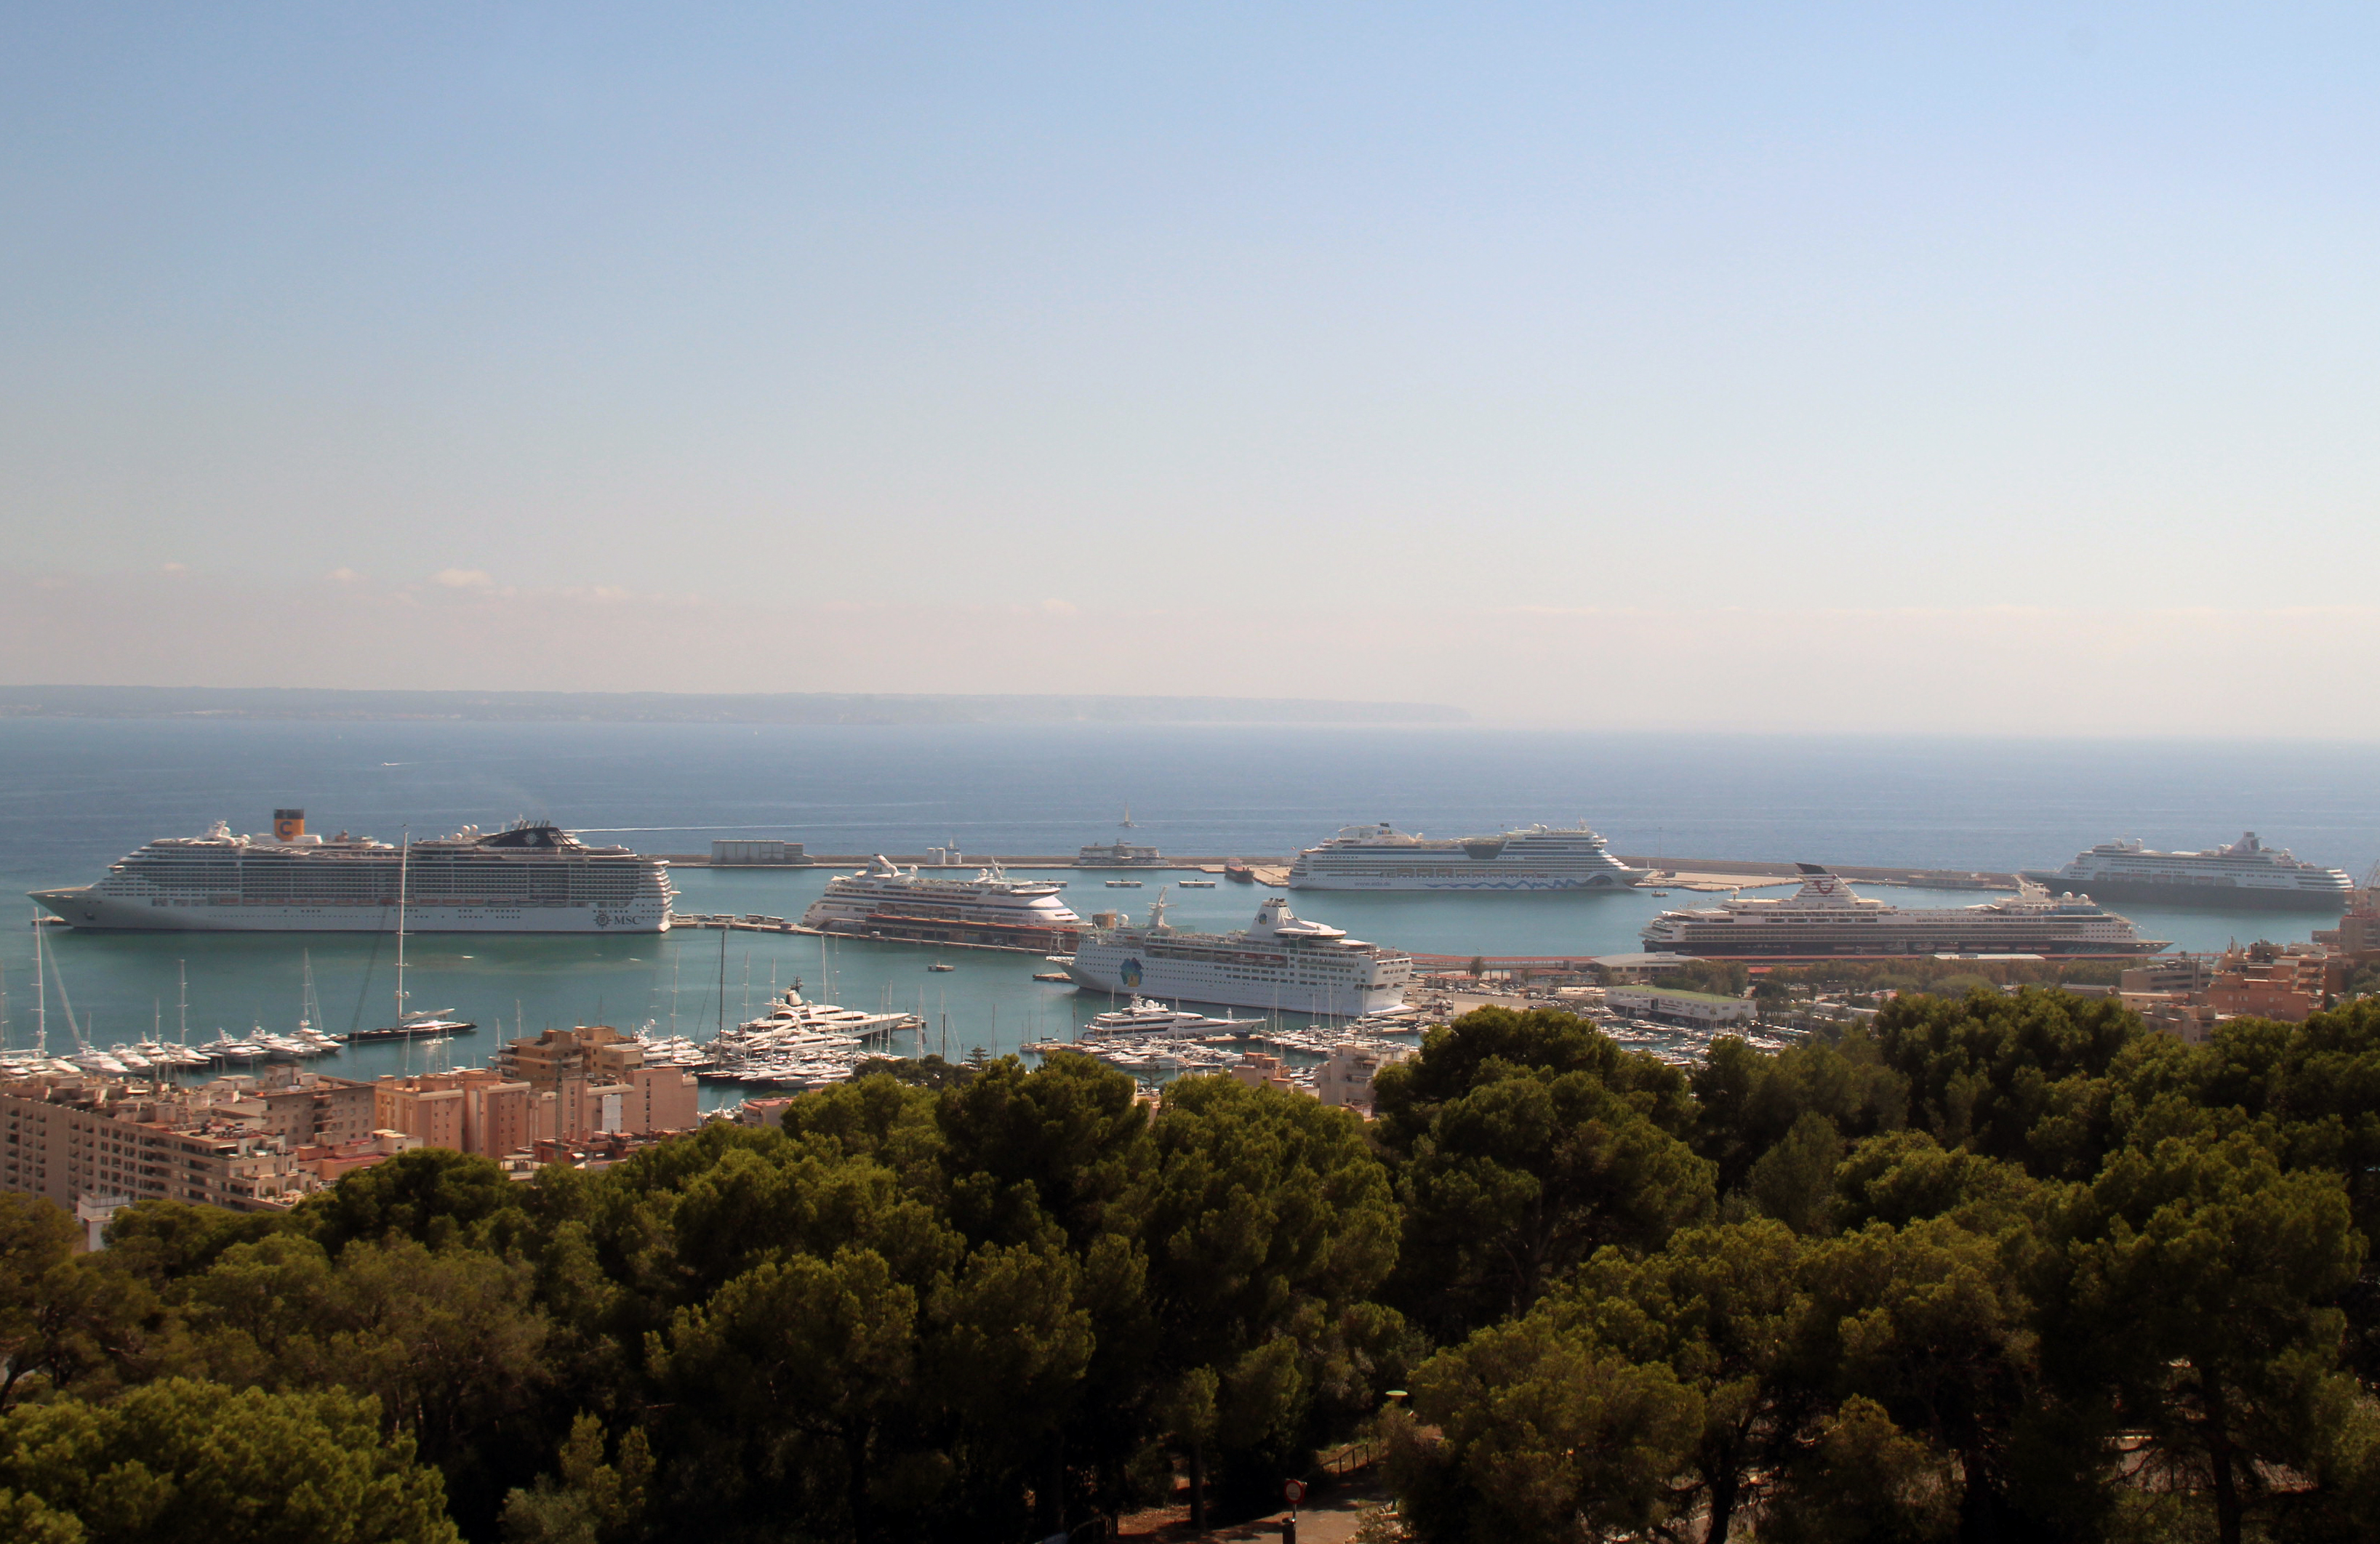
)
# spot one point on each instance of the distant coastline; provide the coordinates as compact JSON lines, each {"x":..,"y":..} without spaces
{"x":695,"y":707}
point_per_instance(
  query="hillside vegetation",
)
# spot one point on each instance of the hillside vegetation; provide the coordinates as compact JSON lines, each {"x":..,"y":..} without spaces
{"x":2002,"y":1268}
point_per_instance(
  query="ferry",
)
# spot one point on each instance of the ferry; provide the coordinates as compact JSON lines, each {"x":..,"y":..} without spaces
{"x":1529,"y":858}
{"x":530,"y":878}
{"x":1826,"y":919}
{"x":886,"y":900}
{"x":1281,"y":962}
{"x":2246,"y":875}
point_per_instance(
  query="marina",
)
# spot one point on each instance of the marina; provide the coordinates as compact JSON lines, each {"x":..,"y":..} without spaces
{"x":999,"y":791}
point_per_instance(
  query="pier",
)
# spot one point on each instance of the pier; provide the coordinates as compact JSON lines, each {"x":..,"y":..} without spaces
{"x":1690,"y":873}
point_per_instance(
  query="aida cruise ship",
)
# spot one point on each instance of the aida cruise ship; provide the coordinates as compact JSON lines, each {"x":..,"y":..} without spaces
{"x":1281,"y":962}
{"x":886,"y":900}
{"x":1533,"y":858}
{"x":2247,"y":874}
{"x":1825,"y":918}
{"x":531,"y":878}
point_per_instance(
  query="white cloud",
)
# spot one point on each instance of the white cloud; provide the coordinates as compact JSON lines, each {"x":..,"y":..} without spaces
{"x":464,"y":578}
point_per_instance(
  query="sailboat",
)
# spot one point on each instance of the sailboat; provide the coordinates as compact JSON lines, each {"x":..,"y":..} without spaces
{"x":310,"y":1034}
{"x":427,"y":1023}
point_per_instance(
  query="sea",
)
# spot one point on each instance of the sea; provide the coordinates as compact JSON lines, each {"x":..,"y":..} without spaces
{"x":77,"y":794}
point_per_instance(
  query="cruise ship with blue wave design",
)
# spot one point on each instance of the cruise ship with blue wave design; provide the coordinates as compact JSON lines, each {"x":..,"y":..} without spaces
{"x":1528,"y":858}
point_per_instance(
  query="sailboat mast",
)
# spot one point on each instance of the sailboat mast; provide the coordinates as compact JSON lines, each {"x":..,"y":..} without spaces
{"x":40,"y":994}
{"x":404,"y":860}
{"x":182,"y":1001}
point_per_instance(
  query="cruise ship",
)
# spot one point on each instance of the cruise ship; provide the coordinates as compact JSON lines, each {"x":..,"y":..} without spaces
{"x":886,"y":900}
{"x":1532,"y":858}
{"x":1281,"y":962}
{"x":530,"y":878}
{"x":1825,"y":919}
{"x":2246,"y":875}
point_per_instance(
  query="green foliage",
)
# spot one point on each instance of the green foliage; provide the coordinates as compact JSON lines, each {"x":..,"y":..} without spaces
{"x":432,"y":1195}
{"x":1528,"y":1141}
{"x":1747,"y":1101}
{"x":2022,"y":1078}
{"x":1725,"y":978}
{"x":1545,"y":1435}
{"x":2005,"y":1267}
{"x":181,"y":1461}
{"x":68,"y":1321}
{"x":1864,"y":1481}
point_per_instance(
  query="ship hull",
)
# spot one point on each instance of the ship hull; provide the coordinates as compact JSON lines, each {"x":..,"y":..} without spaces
{"x":1130,"y":973}
{"x":87,"y":912}
{"x":1486,"y":880}
{"x":1729,"y":943}
{"x":2229,"y":898}
{"x":895,"y":929}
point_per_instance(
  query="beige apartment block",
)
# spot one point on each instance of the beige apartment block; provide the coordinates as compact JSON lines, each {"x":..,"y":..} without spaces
{"x":82,"y":1141}
{"x":475,"y":1110}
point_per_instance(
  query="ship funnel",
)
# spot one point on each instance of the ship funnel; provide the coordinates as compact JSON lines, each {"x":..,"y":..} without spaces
{"x":289,"y":825}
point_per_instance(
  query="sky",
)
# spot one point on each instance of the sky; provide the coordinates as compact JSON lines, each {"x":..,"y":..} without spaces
{"x":2002,"y":368}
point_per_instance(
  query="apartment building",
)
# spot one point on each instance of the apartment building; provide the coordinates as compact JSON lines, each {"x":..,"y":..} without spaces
{"x":81,"y":1140}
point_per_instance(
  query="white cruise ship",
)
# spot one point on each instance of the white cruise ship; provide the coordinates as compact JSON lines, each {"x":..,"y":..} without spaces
{"x":2247,"y":874}
{"x":1532,"y":858}
{"x":531,"y":878}
{"x":1281,"y":962}
{"x":886,"y":900}
{"x":1825,"y":918}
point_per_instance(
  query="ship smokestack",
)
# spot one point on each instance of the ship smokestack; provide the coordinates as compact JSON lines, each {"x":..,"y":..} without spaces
{"x":289,"y":825}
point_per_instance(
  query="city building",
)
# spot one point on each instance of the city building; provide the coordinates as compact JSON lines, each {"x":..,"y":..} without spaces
{"x":90,"y":1144}
{"x":1344,"y":1078}
{"x":596,"y":1081}
{"x":739,"y":852}
{"x":1702,"y":1009}
{"x":2266,"y":982}
{"x":1261,"y":1070}
{"x":472,"y":1110}
{"x":2179,"y":972}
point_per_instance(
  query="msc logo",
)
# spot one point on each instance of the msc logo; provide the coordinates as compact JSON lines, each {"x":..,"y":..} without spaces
{"x":1130,"y":975}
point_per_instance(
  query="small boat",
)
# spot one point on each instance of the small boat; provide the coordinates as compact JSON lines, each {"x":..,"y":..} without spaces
{"x":939,"y":965}
{"x":1239,"y":873}
{"x":1060,"y":977}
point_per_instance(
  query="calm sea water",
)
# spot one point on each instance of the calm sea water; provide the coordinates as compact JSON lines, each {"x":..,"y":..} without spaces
{"x":75,"y":795}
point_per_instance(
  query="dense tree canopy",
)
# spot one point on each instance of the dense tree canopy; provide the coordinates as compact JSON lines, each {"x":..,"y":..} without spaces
{"x":2002,"y":1268}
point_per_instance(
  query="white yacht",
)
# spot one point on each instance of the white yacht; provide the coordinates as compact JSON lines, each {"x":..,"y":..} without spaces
{"x":1280,"y":962}
{"x":530,"y":878}
{"x":1825,"y":918}
{"x":1530,"y":858}
{"x":1145,"y":1018}
{"x":2247,"y":874}
{"x":886,"y":900}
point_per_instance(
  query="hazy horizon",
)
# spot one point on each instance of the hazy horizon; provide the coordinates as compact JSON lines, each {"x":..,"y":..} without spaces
{"x":1854,"y":370}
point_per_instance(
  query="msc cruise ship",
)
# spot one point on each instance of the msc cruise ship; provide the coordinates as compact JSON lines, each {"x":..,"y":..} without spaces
{"x":885,"y":901}
{"x":2247,"y":874}
{"x":1533,"y":858}
{"x":531,"y":878}
{"x":1281,"y":961}
{"x":1824,"y":917}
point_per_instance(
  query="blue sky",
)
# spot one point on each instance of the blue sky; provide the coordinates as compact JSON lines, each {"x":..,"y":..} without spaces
{"x":1099,"y":318}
